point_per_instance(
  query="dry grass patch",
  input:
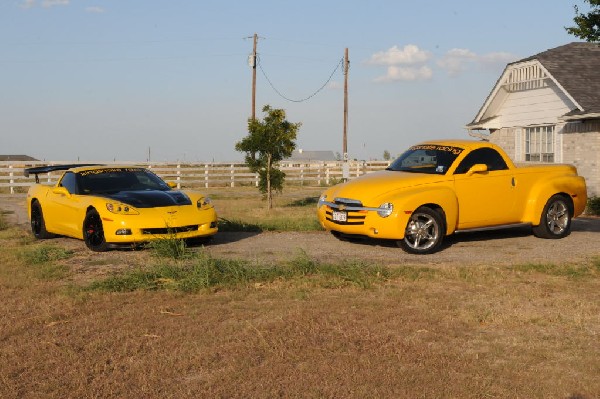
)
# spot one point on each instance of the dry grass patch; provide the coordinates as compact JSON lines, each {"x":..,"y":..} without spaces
{"x":528,"y":330}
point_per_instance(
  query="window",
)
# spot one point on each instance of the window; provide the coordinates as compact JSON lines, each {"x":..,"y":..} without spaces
{"x":69,"y":182}
{"x":539,"y":144}
{"x":486,"y":156}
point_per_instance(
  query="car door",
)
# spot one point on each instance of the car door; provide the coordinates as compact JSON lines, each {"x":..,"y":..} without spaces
{"x":63,"y":207}
{"x":486,"y":195}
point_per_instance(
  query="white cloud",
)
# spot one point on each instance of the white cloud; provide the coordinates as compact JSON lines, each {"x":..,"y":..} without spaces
{"x":395,"y":73}
{"x":457,"y":61}
{"x":409,"y":55}
{"x":44,"y":3}
{"x":334,"y":85}
{"x":499,"y":58}
{"x":28,"y":3}
{"x":94,"y":10}
{"x":52,"y":3}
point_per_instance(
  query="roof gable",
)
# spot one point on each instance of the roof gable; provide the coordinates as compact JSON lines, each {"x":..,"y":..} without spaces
{"x":573,"y":69}
{"x":576,"y":66}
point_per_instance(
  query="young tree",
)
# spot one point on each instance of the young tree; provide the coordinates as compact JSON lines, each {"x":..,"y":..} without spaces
{"x":268,"y":142}
{"x":588,"y":25}
{"x":386,"y":155}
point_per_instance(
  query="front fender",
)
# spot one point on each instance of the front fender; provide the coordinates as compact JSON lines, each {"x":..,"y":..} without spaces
{"x":406,"y":202}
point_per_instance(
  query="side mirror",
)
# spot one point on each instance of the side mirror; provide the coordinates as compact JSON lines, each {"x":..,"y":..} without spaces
{"x":477,"y":168}
{"x":172,"y":184}
{"x":61,"y":191}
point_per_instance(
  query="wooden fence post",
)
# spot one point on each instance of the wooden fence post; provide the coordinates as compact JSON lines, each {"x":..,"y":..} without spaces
{"x":12,"y":181}
{"x":205,"y":175}
{"x":178,"y":176}
{"x":232,"y":175}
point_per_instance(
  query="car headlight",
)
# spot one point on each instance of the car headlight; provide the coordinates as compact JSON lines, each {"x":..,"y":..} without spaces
{"x":322,"y":200}
{"x":121,"y":209}
{"x":204,"y":203}
{"x":386,"y":209}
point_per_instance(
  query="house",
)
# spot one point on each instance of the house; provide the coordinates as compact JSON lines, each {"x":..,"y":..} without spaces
{"x":309,"y":156}
{"x":546,"y":108}
{"x":16,"y":158}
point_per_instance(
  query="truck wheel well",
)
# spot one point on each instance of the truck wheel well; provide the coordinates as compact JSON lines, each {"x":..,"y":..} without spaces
{"x":569,"y":200}
{"x":439,"y":210}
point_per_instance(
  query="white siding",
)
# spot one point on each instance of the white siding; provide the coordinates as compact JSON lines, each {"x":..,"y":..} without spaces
{"x":533,"y":107}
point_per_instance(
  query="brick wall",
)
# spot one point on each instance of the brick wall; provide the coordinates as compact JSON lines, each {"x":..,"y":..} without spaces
{"x":580,"y":147}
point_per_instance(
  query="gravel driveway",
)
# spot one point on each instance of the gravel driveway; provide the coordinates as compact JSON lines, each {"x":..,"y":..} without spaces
{"x":500,"y":247}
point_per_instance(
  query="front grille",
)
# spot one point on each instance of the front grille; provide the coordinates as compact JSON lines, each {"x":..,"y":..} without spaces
{"x":354,"y":218}
{"x":170,"y":230}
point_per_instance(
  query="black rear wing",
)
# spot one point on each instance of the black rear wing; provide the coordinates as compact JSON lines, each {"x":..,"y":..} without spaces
{"x":47,"y":169}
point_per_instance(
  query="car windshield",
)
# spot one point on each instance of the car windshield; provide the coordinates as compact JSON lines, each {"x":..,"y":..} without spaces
{"x":426,"y":158}
{"x":112,"y":180}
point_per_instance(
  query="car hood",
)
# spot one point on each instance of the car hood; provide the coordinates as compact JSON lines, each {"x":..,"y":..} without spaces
{"x":150,"y":198}
{"x":373,"y":185}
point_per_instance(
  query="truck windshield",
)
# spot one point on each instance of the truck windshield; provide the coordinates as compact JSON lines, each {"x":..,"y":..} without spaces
{"x":426,"y":158}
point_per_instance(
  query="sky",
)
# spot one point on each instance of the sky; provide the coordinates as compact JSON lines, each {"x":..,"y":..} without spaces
{"x":132,"y":80}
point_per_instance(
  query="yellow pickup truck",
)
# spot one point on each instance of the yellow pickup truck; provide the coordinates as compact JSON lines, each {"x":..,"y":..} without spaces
{"x":438,"y":188}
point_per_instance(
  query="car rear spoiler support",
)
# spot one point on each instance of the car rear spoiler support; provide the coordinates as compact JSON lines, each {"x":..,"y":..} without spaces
{"x":47,"y":169}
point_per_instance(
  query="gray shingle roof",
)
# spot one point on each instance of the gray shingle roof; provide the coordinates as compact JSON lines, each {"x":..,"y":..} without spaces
{"x":16,"y":158}
{"x":576,"y":66}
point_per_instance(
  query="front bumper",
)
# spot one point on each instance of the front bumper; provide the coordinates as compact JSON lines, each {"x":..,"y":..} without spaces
{"x":361,"y":220}
{"x":159,"y":223}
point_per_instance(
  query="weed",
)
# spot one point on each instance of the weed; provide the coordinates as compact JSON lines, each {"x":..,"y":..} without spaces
{"x":41,"y":254}
{"x":169,"y":247}
{"x":304,"y":202}
{"x":237,"y":225}
{"x":204,"y":271}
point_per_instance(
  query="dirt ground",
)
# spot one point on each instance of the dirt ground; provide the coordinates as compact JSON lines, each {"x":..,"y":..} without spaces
{"x":499,"y":247}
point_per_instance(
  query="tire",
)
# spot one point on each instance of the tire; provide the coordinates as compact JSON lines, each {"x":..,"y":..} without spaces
{"x":555,"y":221}
{"x":424,"y":232}
{"x":38,"y":224}
{"x":93,"y":232}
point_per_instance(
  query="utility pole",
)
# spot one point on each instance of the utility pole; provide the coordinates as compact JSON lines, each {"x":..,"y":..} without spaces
{"x":346,"y":166}
{"x":253,"y":65}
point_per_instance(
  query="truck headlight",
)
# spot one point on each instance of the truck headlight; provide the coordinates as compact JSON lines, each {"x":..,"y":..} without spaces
{"x":322,"y":200}
{"x":386,"y":209}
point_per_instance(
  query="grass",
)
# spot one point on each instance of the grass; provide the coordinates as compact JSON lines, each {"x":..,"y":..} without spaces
{"x":205,"y":272}
{"x":244,"y":210}
{"x":3,"y":222}
{"x":43,"y":259}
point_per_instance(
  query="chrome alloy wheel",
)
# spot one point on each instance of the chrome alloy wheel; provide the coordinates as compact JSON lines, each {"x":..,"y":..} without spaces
{"x":557,"y":217}
{"x":422,"y":232}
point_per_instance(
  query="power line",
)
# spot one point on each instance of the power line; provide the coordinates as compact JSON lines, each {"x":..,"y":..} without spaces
{"x":303,"y":99}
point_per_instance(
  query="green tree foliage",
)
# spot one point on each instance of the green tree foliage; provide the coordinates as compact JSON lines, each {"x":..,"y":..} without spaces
{"x":386,"y":155}
{"x":588,"y":25}
{"x":268,"y":142}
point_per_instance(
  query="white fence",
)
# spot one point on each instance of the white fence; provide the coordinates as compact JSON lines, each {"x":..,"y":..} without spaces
{"x":201,"y":175}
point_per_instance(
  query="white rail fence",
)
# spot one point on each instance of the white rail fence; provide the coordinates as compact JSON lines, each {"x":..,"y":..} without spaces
{"x":200,"y":175}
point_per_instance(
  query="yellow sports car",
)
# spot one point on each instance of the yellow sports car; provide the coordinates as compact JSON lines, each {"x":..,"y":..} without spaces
{"x":438,"y":188}
{"x":112,"y":206}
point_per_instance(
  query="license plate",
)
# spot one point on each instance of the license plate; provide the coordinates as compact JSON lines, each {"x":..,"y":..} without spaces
{"x":339,"y":216}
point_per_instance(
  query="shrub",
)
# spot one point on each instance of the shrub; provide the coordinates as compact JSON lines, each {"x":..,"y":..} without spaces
{"x":593,"y":206}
